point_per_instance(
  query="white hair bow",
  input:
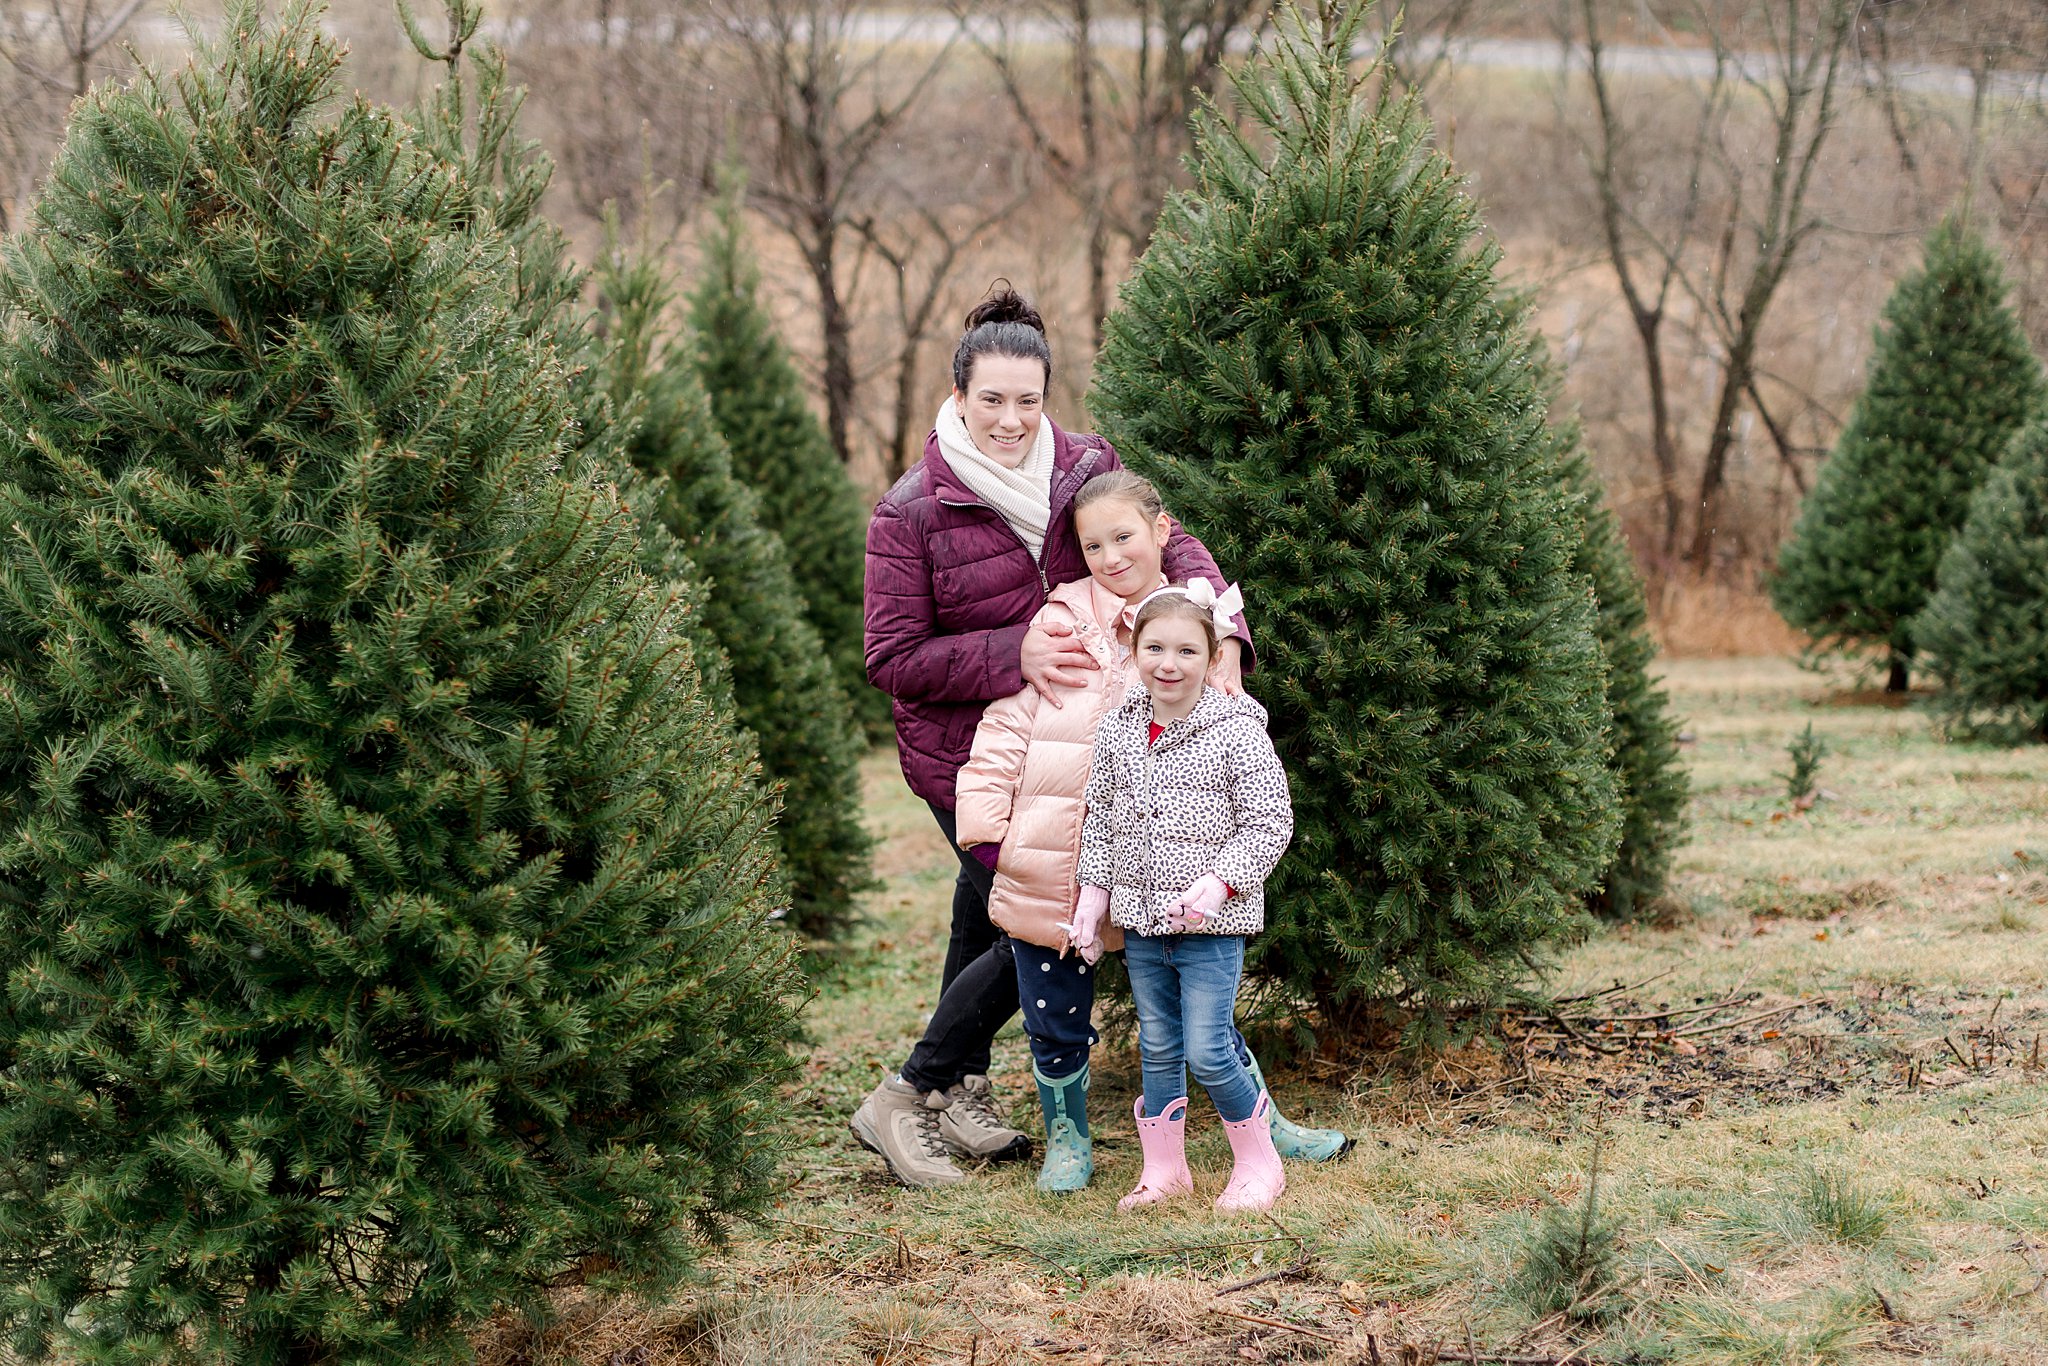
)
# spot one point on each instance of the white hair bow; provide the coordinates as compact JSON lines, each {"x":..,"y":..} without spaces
{"x":1221,"y":607}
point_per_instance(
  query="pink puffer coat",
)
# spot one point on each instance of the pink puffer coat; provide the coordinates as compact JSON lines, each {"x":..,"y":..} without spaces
{"x":1022,"y":785}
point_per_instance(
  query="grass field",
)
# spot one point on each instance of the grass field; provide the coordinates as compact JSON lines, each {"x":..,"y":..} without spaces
{"x":1830,"y":1150}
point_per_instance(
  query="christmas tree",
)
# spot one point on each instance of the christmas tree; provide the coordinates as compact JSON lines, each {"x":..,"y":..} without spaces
{"x":1653,"y":783}
{"x":384,"y":912}
{"x":779,"y":448}
{"x":729,"y":575}
{"x":472,"y":120}
{"x":783,"y":683}
{"x":1951,"y":379}
{"x":1984,"y":633}
{"x":1315,"y":362}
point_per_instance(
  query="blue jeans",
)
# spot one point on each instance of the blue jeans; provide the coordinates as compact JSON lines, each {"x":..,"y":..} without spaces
{"x":1185,"y":986}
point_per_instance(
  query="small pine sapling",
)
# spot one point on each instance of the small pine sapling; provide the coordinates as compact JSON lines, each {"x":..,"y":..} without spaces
{"x":1803,"y":755}
{"x":1571,"y":1264}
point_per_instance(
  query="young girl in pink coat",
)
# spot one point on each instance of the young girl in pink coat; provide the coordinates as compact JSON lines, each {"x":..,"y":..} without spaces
{"x":1020,"y":810}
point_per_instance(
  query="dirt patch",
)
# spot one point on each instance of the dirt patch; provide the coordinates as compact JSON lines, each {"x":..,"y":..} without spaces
{"x":1676,"y":1063}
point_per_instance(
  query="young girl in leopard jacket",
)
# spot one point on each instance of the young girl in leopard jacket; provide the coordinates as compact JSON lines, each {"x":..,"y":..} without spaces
{"x":1188,"y":813}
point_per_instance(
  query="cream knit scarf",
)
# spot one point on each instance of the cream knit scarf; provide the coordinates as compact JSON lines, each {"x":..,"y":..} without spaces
{"x":1023,"y":495}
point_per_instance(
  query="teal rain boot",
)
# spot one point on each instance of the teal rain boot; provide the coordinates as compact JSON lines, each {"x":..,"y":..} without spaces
{"x":1291,"y":1140}
{"x":1069,"y":1152}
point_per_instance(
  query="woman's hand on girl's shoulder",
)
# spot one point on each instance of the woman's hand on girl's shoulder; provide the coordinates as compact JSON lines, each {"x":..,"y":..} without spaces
{"x":1053,"y":657}
{"x":1226,"y":675}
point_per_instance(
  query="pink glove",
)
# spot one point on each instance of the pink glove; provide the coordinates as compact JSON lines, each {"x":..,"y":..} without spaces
{"x":1197,"y":904}
{"x":1084,"y":931}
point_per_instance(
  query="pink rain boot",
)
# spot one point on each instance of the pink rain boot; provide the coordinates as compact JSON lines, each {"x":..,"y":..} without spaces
{"x":1256,"y":1178}
{"x":1164,"y":1141}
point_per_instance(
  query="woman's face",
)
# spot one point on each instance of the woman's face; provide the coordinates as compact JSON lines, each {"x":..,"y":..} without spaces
{"x":1122,"y":545}
{"x":1003,"y":405}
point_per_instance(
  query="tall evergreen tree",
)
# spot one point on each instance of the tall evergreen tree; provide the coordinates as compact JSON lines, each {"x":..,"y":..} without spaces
{"x":472,"y":120}
{"x":779,"y":448}
{"x":1315,"y":362}
{"x":1653,"y":782}
{"x":1984,"y":633}
{"x":1951,"y":379}
{"x":382,"y":906}
{"x":783,"y":683}
{"x":634,"y":430}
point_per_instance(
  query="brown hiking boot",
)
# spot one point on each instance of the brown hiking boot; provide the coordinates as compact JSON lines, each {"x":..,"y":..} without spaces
{"x":903,"y":1126}
{"x":974,"y":1126}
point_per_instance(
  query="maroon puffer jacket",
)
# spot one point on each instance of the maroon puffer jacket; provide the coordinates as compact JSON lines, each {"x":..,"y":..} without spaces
{"x":951,"y":591}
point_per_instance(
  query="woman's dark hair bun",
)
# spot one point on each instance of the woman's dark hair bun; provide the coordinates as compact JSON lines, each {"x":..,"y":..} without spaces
{"x":1004,"y":305}
{"x":1003,"y":324}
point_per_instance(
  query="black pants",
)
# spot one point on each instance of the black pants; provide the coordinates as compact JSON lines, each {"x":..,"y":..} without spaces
{"x":978,"y":990}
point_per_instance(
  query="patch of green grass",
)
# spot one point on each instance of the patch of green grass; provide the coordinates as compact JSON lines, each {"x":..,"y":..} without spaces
{"x":1763,"y":1230}
{"x":1823,"y":1329}
{"x":1400,"y":1260}
{"x":1844,"y":1208}
{"x":2007,"y":919}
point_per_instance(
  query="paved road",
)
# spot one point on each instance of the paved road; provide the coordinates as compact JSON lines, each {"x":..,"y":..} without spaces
{"x":933,"y":27}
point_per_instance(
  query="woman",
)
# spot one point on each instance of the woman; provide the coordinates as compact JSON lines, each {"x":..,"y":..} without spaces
{"x":961,"y":554}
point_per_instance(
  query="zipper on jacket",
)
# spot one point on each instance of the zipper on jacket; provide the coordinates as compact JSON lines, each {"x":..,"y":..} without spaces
{"x":1038,"y":563}
{"x":1151,"y":873}
{"x":1082,"y":471}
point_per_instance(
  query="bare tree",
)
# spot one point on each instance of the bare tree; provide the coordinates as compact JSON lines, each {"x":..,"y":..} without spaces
{"x":631,"y":102}
{"x":1133,"y":79}
{"x":1999,"y":51}
{"x":52,"y":53}
{"x":58,"y":44}
{"x":1647,"y":278}
{"x":827,"y":85}
{"x":1425,"y":36}
{"x":1745,"y":212}
{"x":923,"y":251}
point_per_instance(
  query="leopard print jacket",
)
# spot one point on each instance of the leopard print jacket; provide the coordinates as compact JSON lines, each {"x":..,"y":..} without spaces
{"x":1209,"y":797}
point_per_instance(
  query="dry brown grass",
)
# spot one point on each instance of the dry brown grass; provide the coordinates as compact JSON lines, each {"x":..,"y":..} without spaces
{"x":1700,"y":617}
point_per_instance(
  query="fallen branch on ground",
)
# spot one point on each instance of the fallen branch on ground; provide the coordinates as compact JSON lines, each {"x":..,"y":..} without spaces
{"x":1273,"y":1323}
{"x":1719,"y":1025}
{"x":1296,"y":1271}
{"x":1619,"y":987}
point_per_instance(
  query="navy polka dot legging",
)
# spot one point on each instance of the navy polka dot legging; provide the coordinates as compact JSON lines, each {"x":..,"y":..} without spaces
{"x":1058,"y":996}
